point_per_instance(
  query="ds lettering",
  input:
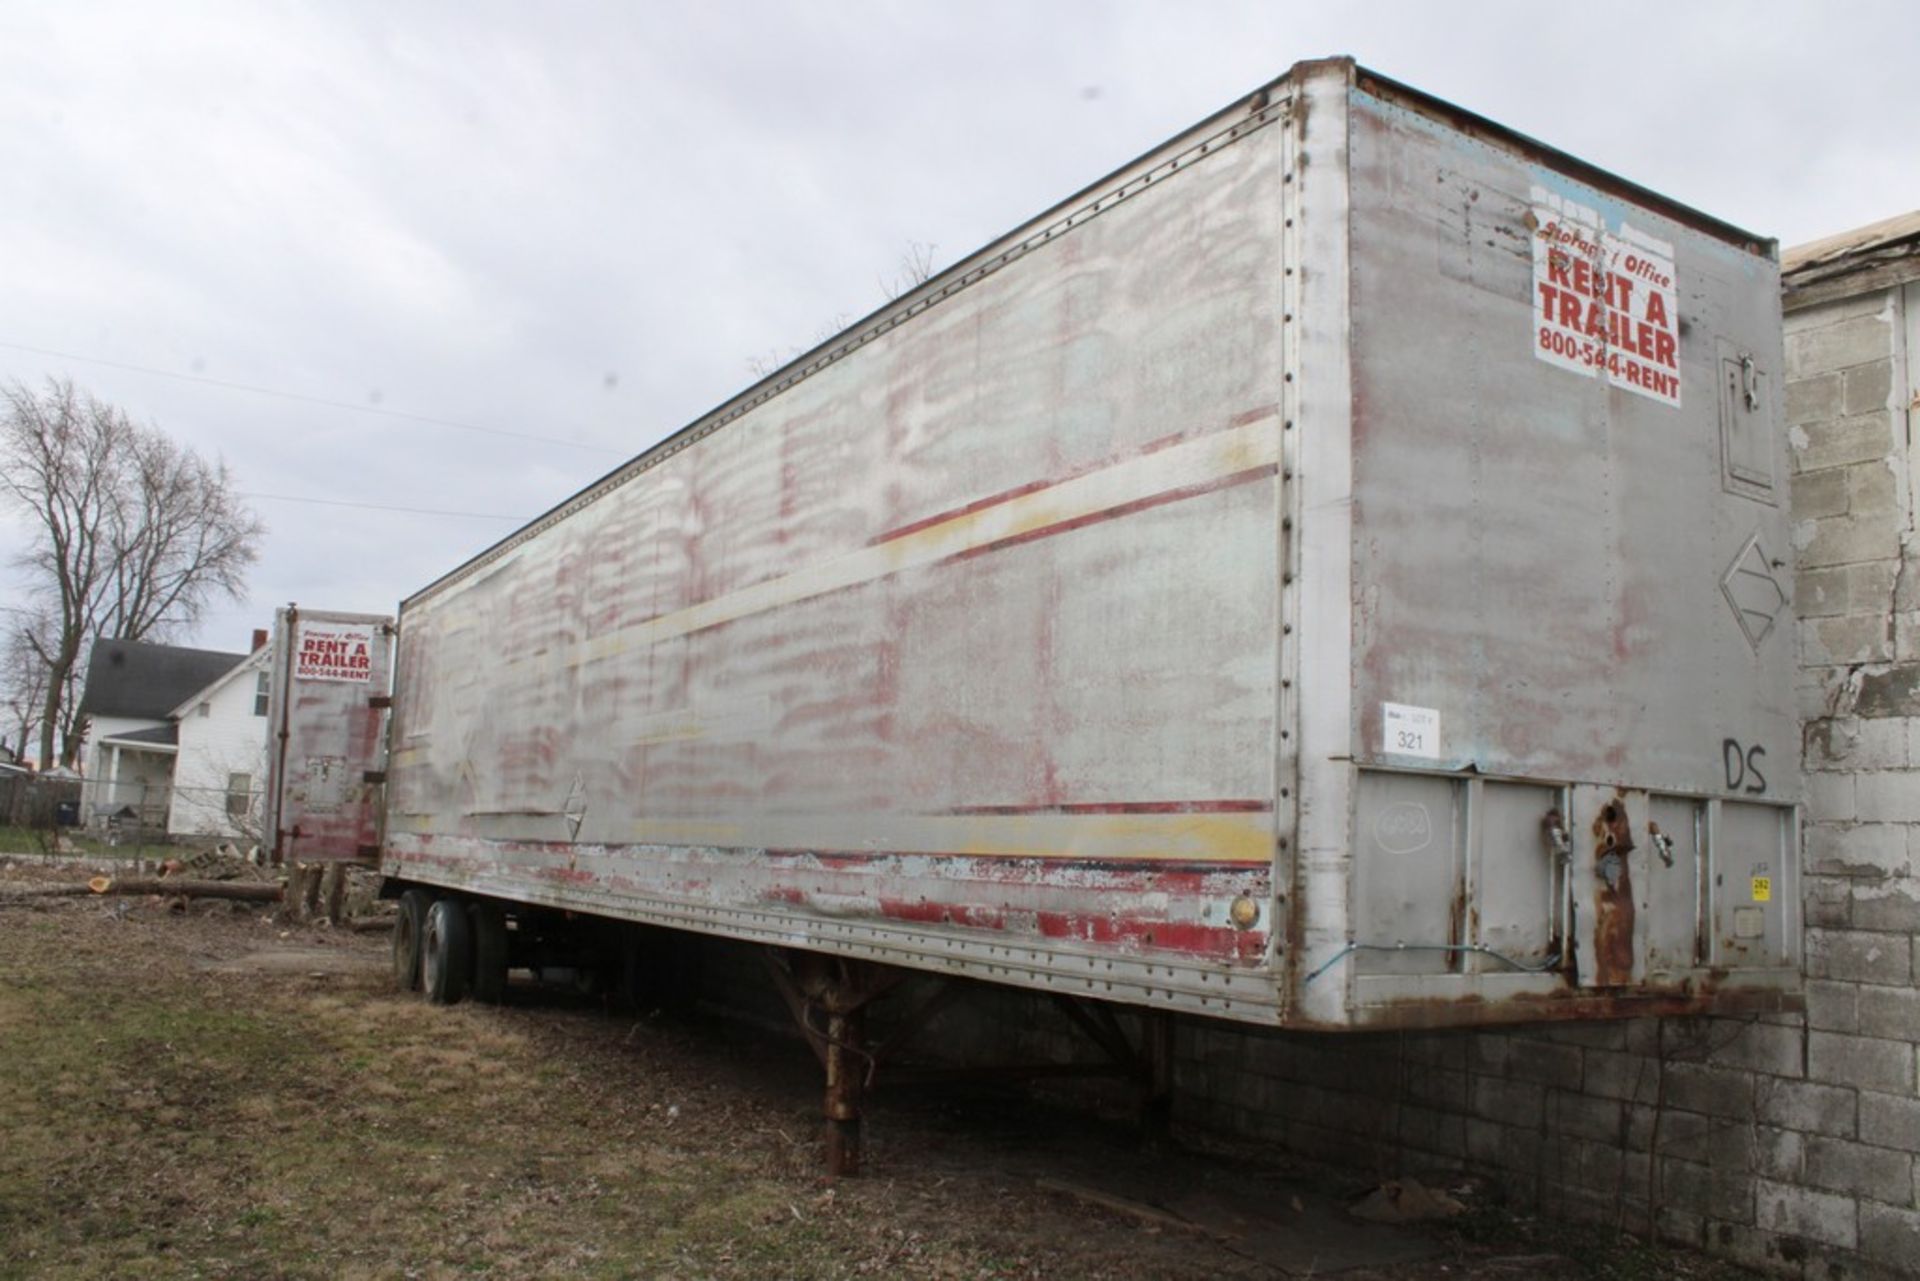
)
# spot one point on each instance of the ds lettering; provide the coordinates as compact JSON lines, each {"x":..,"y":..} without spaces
{"x":1743,"y":767}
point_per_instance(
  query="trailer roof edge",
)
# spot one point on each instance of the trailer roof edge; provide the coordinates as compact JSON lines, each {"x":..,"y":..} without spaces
{"x":1602,"y":179}
{"x":1260,"y":103}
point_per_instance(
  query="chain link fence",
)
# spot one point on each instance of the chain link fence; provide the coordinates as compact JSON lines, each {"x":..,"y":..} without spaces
{"x":37,"y":802}
{"x":42,"y":813}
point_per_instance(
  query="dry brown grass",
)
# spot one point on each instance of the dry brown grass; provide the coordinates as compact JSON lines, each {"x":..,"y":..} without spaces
{"x":171,"y":1107}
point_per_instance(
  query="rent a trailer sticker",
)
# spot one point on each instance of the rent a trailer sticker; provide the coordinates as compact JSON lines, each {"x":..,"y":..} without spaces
{"x":1604,"y":298}
{"x":334,"y":652}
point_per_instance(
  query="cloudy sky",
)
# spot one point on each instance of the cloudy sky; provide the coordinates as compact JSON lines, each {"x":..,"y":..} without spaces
{"x":466,"y":257}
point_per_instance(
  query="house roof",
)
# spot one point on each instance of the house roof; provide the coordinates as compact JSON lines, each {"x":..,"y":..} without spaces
{"x":1876,"y":256}
{"x":135,"y":679}
{"x":156,"y":736}
{"x":256,"y":661}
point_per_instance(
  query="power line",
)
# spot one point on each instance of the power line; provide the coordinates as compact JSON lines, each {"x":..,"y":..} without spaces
{"x":375,"y":507}
{"x":310,"y":400}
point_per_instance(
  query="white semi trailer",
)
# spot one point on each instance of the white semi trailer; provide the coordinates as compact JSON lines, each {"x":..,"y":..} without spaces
{"x":1329,"y":573}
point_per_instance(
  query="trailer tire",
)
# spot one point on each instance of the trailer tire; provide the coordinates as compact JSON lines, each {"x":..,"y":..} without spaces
{"x":447,"y":945}
{"x":407,"y":930}
{"x":489,"y":953}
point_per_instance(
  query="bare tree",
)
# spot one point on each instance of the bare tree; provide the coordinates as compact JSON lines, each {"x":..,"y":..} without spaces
{"x":133,"y":534}
{"x":914,"y":269}
{"x":771,"y":361}
{"x":23,"y":676}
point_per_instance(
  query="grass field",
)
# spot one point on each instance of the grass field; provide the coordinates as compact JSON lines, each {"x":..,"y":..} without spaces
{"x":212,"y":1095}
{"x":167,"y":1117}
{"x":24,"y":840}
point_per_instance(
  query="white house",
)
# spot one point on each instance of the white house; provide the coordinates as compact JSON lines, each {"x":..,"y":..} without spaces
{"x":176,"y":737}
{"x":131,"y":690}
{"x":221,"y":753}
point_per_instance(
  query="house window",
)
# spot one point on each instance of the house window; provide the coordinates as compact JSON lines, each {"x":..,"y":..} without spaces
{"x":260,"y":693}
{"x":239,"y":793}
{"x":204,"y":710}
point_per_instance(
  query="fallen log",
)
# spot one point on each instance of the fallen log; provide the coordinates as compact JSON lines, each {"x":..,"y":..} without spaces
{"x":248,"y":891}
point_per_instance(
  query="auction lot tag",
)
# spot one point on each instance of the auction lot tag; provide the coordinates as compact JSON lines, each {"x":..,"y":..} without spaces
{"x":1410,"y":731}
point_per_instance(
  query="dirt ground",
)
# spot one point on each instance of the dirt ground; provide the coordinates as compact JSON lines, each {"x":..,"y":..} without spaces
{"x":215,"y":1094}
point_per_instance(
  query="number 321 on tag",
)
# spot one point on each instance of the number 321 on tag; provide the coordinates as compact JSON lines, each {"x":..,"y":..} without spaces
{"x":1410,"y":731}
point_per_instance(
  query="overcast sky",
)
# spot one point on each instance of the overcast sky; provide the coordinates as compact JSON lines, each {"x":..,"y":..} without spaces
{"x":584,"y":222}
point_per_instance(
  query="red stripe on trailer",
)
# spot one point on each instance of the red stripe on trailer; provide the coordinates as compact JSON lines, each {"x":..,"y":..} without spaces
{"x":1035,"y":486}
{"x":1124,"y":509}
{"x":1120,"y":807}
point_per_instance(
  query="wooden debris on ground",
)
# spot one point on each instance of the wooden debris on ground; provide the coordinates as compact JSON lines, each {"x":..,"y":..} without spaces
{"x":166,"y":886}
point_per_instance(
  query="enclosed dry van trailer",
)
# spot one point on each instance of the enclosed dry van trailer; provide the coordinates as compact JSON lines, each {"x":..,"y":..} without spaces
{"x":1330,"y":573}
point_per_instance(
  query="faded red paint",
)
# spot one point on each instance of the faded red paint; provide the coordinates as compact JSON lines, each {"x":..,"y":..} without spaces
{"x":1122,"y":807}
{"x":1241,"y":419}
{"x":1018,"y":866}
{"x":806,"y":885}
{"x":1132,"y":933}
{"x":1138,"y":933}
{"x":1120,"y":511}
{"x":941,"y":518}
{"x":934,"y":912}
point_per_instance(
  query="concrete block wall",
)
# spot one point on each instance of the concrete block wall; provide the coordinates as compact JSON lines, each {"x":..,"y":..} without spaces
{"x":1729,"y":1134}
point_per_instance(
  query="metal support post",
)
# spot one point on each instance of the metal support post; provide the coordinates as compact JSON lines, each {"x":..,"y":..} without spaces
{"x":846,"y":1077}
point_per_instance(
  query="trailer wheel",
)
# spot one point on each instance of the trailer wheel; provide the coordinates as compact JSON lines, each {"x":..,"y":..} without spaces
{"x":489,"y":953}
{"x":407,"y":928}
{"x":447,"y":943}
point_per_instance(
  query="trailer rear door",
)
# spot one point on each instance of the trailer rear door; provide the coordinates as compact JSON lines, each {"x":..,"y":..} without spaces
{"x":332,"y":687}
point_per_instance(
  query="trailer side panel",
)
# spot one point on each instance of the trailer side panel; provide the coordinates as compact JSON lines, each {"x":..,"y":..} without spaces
{"x":960,"y":652}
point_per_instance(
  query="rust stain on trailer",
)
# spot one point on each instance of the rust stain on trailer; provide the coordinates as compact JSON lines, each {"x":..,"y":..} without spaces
{"x":1120,"y":909}
{"x":1705,"y":996}
{"x":1613,"y":894}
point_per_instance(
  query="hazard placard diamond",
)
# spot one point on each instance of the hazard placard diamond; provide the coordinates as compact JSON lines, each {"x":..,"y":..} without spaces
{"x":1753,"y":590}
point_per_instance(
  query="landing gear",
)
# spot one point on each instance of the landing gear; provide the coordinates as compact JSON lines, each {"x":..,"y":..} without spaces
{"x":828,"y":997}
